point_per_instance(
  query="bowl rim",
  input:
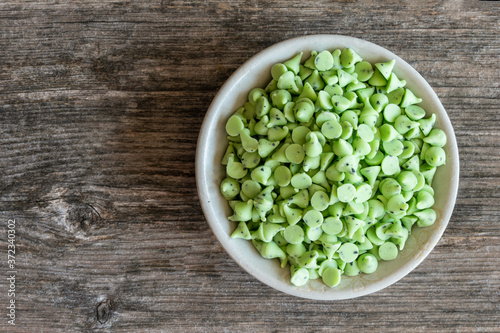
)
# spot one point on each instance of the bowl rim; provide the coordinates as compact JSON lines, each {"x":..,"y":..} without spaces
{"x":211,"y":116}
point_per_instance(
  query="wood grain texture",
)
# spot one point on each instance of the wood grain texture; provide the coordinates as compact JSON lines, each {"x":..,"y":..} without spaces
{"x":100,"y":107}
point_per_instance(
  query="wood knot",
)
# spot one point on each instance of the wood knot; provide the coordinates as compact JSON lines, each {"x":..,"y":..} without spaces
{"x":103,"y":311}
{"x":83,"y":216}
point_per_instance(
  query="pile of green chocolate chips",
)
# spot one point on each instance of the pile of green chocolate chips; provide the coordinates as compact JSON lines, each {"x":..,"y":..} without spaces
{"x":330,"y":166}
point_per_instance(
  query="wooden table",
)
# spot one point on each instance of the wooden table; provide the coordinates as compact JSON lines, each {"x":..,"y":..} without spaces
{"x":101,"y":104}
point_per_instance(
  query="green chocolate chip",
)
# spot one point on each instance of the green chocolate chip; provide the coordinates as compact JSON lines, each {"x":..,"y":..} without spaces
{"x":323,"y":117}
{"x":234,"y":125}
{"x":367,"y":263}
{"x":363,"y":193}
{"x":293,"y":64}
{"x":282,"y":175}
{"x":390,"y":165}
{"x":295,"y":153}
{"x":391,"y":112}
{"x":312,"y":146}
{"x":331,"y":129}
{"x":251,"y":188}
{"x":287,"y":81}
{"x":415,"y":112}
{"x":424,"y":200}
{"x":436,"y":138}
{"x":323,"y":61}
{"x":388,"y":251}
{"x":331,"y":276}
{"x":332,"y":225}
{"x":320,"y":201}
{"x":348,"y":252}
{"x":393,"y":147}
{"x":386,"y":68}
{"x":241,"y":231}
{"x":301,"y":180}
{"x":340,"y":103}
{"x":388,"y":133}
{"x":435,"y":156}
{"x":229,"y":188}
{"x":407,"y":180}
{"x":365,"y":133}
{"x":294,"y":234}
{"x":313,"y":218}
{"x":348,"y":58}
{"x":299,"y":277}
{"x":426,"y":217}
{"x":364,"y":70}
{"x":235,"y":169}
{"x":346,"y":192}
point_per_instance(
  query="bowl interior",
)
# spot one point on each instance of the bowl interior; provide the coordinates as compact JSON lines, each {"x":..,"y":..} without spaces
{"x":212,"y":143}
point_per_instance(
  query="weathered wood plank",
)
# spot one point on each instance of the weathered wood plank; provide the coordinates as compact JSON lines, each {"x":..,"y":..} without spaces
{"x":100,"y":107}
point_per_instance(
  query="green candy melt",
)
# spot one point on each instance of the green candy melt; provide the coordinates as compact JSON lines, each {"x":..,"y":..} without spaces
{"x":330,"y":166}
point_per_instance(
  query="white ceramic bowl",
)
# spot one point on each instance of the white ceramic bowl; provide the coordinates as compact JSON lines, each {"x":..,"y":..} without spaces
{"x":212,"y":143}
